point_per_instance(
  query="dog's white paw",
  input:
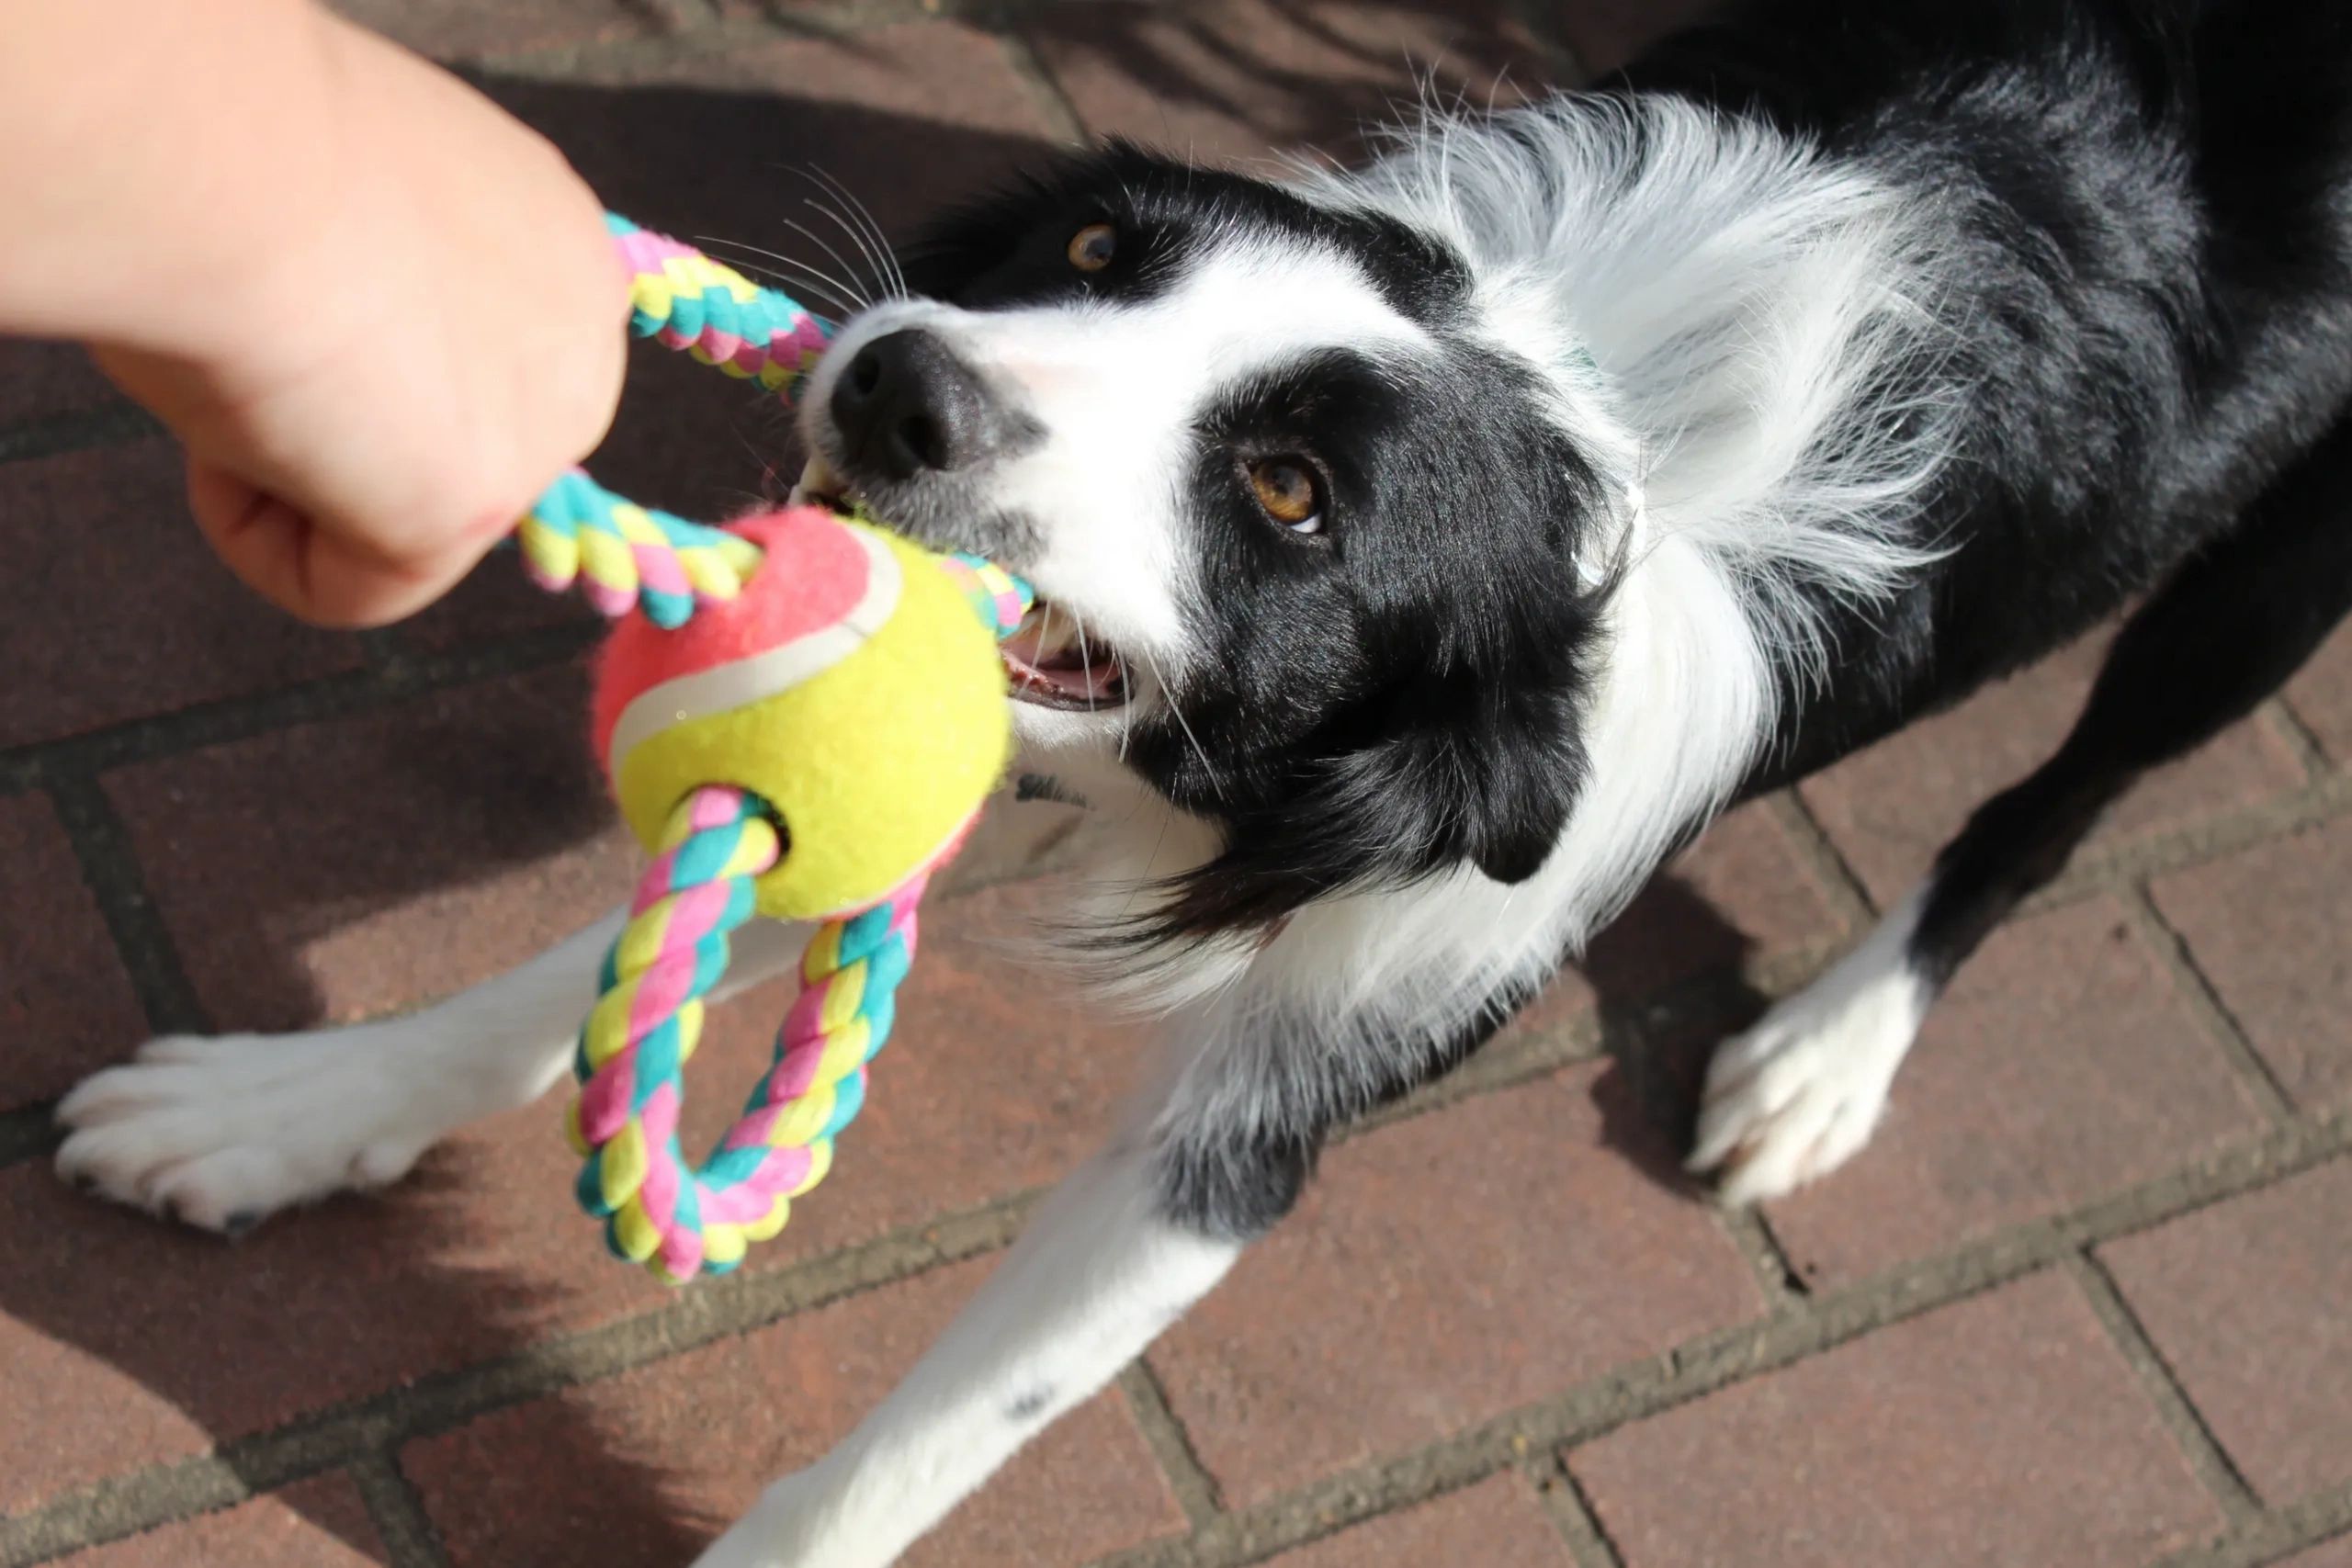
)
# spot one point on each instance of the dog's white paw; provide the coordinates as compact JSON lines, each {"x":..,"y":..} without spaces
{"x":222,"y":1133}
{"x":1798,"y":1095}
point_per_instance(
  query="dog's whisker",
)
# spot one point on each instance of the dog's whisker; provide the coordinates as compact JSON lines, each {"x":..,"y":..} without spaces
{"x":865,"y":215}
{"x":876,"y":267}
{"x":842,"y":293}
{"x":838,"y":259}
{"x":793,"y":279}
{"x":1168,"y":696}
{"x":870,"y":267}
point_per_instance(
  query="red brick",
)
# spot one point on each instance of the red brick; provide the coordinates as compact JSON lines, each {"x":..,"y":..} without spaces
{"x":121,"y":611}
{"x":2246,"y":1303}
{"x":459,"y":29}
{"x":131,"y":1343}
{"x":2000,"y":1431}
{"x":312,"y":1524}
{"x":988,"y":1088}
{"x":41,"y":380}
{"x":66,"y":1004}
{"x":1891,"y":808}
{"x":704,"y":1432}
{"x":1496,"y":1524}
{"x":364,"y":866}
{"x":1232,"y":79}
{"x":2321,"y":696}
{"x":1741,"y":894}
{"x":2062,"y":1066}
{"x":1607,"y":34}
{"x":908,"y":116}
{"x":2266,"y":928}
{"x":1444,"y":1270}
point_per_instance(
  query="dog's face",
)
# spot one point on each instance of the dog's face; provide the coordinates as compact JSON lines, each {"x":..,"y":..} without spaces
{"x":1306,"y":535}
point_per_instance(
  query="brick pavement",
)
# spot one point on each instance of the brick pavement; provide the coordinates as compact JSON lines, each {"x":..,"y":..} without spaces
{"x":2081,"y":1303}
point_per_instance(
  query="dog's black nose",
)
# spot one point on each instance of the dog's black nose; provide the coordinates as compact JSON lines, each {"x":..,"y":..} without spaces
{"x":905,"y":406}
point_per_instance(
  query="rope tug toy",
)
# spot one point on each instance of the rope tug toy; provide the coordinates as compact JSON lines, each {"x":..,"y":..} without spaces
{"x":801,"y":723}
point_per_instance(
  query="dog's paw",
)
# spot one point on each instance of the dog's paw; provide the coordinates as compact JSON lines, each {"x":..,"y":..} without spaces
{"x":223,"y":1133}
{"x":1798,"y":1095}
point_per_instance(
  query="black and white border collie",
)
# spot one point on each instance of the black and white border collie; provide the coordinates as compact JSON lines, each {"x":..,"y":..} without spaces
{"x":1432,"y":549}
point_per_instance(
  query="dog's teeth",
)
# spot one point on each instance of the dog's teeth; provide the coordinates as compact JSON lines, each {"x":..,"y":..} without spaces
{"x":818,"y":481}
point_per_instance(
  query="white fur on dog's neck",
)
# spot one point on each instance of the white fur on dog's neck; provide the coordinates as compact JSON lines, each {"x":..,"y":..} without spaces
{"x":1711,"y":299}
{"x":1710,"y":302}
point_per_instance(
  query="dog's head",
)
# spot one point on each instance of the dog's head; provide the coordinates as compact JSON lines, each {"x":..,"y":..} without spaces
{"x":1306,"y":530}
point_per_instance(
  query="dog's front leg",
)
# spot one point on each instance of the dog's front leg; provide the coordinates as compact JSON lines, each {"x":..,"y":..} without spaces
{"x":223,"y":1132}
{"x":1113,"y":1256}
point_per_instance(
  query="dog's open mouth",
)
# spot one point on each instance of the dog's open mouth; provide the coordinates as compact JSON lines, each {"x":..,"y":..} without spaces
{"x":1052,"y":660}
{"x":1054,"y":664}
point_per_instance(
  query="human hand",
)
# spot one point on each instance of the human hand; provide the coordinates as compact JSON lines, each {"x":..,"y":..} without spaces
{"x":399,"y":372}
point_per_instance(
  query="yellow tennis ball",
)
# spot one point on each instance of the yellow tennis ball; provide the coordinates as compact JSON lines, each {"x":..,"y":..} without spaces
{"x":850,"y":686}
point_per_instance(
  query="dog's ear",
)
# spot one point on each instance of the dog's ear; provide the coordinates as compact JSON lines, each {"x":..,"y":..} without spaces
{"x":1445,"y":770}
{"x":1469,"y":770}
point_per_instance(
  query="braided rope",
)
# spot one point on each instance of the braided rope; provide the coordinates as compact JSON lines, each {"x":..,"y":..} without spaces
{"x":716,"y":314}
{"x":676,"y":1218}
{"x":626,"y":557}
{"x":658,"y":1210}
{"x":679,"y":1219}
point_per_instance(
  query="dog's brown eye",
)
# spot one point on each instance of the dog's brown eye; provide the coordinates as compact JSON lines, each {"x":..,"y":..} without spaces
{"x":1092,"y":248}
{"x":1287,"y":489}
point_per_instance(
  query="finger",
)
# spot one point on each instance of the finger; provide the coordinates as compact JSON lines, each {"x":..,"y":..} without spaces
{"x":311,"y":572}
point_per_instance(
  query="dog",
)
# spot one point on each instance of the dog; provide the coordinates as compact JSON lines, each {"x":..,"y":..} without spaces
{"x":1429,"y":550}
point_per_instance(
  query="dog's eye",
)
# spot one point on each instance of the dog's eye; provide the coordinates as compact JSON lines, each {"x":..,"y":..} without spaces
{"x":1092,"y":248}
{"x":1289,"y":491}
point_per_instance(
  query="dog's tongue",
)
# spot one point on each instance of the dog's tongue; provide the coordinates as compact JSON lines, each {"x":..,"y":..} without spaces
{"x":1065,"y":667}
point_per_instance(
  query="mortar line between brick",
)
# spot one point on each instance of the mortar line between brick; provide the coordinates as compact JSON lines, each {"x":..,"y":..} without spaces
{"x":1570,"y":1511}
{"x":2296,"y":736}
{"x":1196,"y":1489}
{"x":110,"y":869}
{"x":1768,"y":1262}
{"x":2273,"y":1537}
{"x":2174,"y":1407}
{"x":803,"y":18}
{"x":57,"y":435}
{"x":719,"y":26}
{"x":125,"y":1505}
{"x":347,"y":695}
{"x":2172,"y":950}
{"x":2200,"y":843}
{"x":346,"y":1434}
{"x":1542,"y":19}
{"x":1850,"y":900}
{"x":1045,"y":88}
{"x":1717,"y":1361}
{"x":397,"y":1512}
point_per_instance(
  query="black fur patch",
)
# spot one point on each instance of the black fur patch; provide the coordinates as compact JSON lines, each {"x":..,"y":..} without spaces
{"x":2150,"y":208}
{"x":1236,"y":1186}
{"x":1397,"y":696}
